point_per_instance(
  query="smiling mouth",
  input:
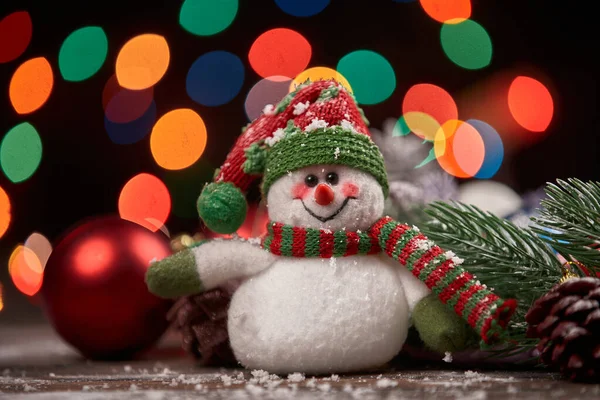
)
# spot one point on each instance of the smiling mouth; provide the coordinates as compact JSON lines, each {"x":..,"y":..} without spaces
{"x":332,"y":216}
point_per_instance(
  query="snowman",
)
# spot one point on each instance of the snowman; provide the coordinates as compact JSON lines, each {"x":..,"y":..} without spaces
{"x":334,"y":286}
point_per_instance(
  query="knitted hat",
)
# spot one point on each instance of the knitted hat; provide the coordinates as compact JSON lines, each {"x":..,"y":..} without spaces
{"x":318,"y":123}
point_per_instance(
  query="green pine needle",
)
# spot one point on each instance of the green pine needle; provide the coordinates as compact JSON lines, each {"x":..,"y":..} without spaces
{"x":569,"y":221}
{"x":514,"y":261}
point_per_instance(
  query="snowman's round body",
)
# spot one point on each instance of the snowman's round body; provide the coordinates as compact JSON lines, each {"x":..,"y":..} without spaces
{"x":319,"y":315}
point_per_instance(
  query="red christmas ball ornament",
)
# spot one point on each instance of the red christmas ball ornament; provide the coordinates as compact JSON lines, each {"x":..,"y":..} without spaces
{"x":94,"y":292}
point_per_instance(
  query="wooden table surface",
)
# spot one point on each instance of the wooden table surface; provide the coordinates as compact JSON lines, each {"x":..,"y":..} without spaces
{"x":36,"y":364}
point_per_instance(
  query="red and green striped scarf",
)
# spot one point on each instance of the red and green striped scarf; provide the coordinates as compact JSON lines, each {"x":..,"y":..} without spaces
{"x":485,"y":311}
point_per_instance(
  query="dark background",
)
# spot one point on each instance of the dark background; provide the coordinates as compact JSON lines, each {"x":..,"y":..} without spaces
{"x":82,"y":170}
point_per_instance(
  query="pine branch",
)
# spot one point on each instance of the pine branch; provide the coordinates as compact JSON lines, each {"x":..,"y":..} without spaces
{"x":569,"y":221}
{"x":515,"y":261}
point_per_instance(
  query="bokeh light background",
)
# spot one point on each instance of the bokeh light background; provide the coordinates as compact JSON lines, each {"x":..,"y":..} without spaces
{"x":128,"y":107}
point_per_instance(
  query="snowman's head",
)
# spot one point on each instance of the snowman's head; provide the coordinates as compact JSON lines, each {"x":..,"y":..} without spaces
{"x":318,"y":164}
{"x":332,"y":197}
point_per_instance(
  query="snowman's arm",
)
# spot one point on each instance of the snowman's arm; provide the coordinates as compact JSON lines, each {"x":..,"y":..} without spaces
{"x":414,"y":289}
{"x":206,"y":266}
{"x":442,"y":273}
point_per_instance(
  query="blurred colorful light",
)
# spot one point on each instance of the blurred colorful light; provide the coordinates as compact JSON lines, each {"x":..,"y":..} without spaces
{"x":447,"y":11}
{"x":372,"y":77}
{"x":432,"y":100}
{"x":25,"y":270}
{"x":318,"y":73}
{"x":145,"y":200}
{"x":15,"y":35}
{"x":20,"y":152}
{"x":459,"y":149}
{"x":444,"y":149}
{"x":129,"y":114}
{"x":142,"y":61}
{"x":123,"y":105}
{"x":530,"y":103}
{"x":207,"y":17}
{"x":31,"y":84}
{"x":494,"y":149}
{"x":83,"y":53}
{"x":469,"y":149}
{"x":467,"y":44}
{"x":1,"y":296}
{"x":178,"y":139}
{"x":40,"y":246}
{"x":266,"y":91}
{"x":5,"y":215}
{"x":421,"y":124}
{"x":279,"y":52}
{"x":215,"y":78}
{"x":132,"y":131}
{"x":302,"y":8}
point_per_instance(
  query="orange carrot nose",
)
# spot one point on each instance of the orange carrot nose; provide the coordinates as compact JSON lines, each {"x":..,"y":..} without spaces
{"x":323,"y":194}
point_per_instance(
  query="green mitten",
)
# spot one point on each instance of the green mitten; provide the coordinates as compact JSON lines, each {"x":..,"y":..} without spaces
{"x":439,"y":327}
{"x":174,"y":276}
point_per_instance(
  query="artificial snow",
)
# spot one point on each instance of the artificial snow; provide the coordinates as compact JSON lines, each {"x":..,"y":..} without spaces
{"x":29,"y":388}
{"x":336,"y":153}
{"x":386,"y":383}
{"x":449,"y":254}
{"x":316,"y":124}
{"x":296,"y":377}
{"x":256,"y":241}
{"x":261,"y":376}
{"x":299,"y":108}
{"x":424,"y":244}
{"x":269,"y":109}
{"x":254,"y":390}
{"x":349,"y":126}
{"x":457,"y":260}
{"x":447,"y":357}
{"x":277,"y":136}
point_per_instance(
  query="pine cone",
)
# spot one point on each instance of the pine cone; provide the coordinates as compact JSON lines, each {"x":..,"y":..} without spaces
{"x":567,"y":322}
{"x":202,"y":321}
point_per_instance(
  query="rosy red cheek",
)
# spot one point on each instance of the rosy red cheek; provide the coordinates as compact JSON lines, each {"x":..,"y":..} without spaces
{"x":300,"y":191}
{"x":350,"y":190}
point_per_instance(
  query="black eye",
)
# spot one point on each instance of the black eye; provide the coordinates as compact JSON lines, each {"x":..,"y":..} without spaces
{"x":332,"y":178}
{"x":311,"y":180}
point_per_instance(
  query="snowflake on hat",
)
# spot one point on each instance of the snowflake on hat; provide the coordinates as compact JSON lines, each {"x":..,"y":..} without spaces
{"x":334,"y":285}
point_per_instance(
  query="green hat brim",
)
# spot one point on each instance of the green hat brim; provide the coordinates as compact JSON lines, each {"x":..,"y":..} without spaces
{"x":331,"y":145}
